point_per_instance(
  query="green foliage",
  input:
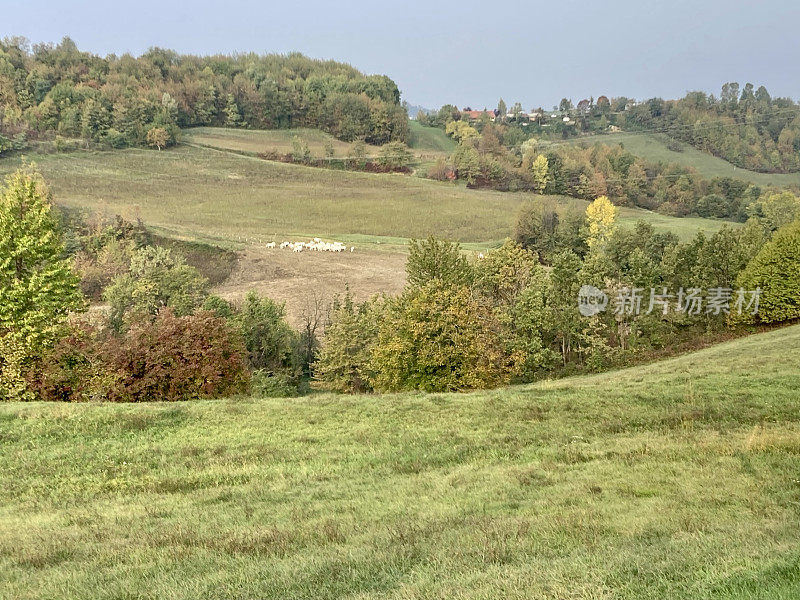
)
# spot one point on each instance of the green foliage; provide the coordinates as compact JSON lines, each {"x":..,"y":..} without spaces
{"x":395,"y":156}
{"x":542,"y":228}
{"x":121,"y":99}
{"x":300,"y":151}
{"x":269,"y":339}
{"x":38,"y":288}
{"x":434,"y":259}
{"x":776,"y":208}
{"x":344,"y":364}
{"x":439,"y":338}
{"x":156,"y":279}
{"x":466,"y":162}
{"x":776,"y":271}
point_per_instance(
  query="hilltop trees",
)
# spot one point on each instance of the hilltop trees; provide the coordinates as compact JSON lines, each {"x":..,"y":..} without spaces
{"x":50,"y":90}
{"x":38,"y":288}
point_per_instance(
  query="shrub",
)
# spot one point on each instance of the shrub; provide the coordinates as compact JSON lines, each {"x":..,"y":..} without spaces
{"x":344,"y":362}
{"x":438,"y":338}
{"x":395,"y":156}
{"x":178,"y":358}
{"x":776,"y":270}
{"x":99,"y":270}
{"x":76,"y":369}
{"x":157,"y":279}
{"x":268,"y":338}
{"x":437,"y":259}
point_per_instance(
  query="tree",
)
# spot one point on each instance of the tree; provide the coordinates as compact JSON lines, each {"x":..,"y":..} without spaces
{"x":540,"y":171}
{"x":357,"y":154}
{"x":394,"y":156}
{"x":157,"y":279}
{"x":344,"y":362}
{"x":437,"y":259}
{"x":300,"y":151}
{"x":267,"y":336}
{"x":233,"y":117}
{"x":776,"y":271}
{"x":438,"y":338}
{"x":601,"y":217}
{"x":777,"y":208}
{"x":38,"y":288}
{"x":467,"y":163}
{"x":501,"y":110}
{"x":157,"y":137}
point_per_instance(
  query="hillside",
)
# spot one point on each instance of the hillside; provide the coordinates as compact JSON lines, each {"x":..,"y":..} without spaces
{"x":429,"y":138}
{"x":673,"y":480}
{"x":255,"y":141}
{"x":654,"y":148}
{"x":223,"y":196}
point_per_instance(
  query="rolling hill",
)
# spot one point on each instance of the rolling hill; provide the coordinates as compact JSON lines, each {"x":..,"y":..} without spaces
{"x":654,"y":148}
{"x":673,"y":480}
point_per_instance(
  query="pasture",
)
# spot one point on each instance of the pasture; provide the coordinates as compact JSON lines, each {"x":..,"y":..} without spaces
{"x":675,"y":480}
{"x":654,"y":148}
{"x":228,"y":198}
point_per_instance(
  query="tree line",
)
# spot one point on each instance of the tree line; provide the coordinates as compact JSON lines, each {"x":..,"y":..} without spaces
{"x":56,"y":90}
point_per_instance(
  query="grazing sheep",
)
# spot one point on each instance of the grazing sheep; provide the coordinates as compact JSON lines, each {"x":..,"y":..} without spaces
{"x":271,"y":245}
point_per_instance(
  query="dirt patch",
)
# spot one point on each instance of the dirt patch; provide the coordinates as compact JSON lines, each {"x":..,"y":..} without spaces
{"x":297,"y":277}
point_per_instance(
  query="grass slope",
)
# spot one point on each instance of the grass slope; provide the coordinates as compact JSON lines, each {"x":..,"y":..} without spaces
{"x":254,"y":141}
{"x":673,"y":480}
{"x":213,"y":195}
{"x":429,"y":138}
{"x":653,"y":148}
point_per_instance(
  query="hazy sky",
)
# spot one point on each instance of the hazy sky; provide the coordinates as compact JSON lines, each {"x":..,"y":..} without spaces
{"x":462,"y":52}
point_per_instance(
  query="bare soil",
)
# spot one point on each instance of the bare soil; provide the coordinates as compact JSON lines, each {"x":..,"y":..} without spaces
{"x":298,"y":278}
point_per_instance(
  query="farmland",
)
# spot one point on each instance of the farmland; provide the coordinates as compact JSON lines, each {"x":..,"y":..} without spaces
{"x":676,"y":479}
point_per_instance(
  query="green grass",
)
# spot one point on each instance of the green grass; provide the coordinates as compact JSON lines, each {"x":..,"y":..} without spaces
{"x":654,"y":148}
{"x":253,"y":141}
{"x":674,"y":480}
{"x":429,"y":139}
{"x":223,"y":197}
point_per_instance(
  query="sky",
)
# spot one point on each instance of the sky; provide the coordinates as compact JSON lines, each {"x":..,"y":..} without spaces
{"x":462,"y":52}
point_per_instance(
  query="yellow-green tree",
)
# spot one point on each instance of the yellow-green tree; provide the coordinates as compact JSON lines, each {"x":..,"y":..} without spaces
{"x":541,"y":170}
{"x":38,"y":287}
{"x":601,"y":221}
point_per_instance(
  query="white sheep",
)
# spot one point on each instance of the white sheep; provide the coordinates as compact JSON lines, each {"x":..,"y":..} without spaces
{"x":271,"y":245}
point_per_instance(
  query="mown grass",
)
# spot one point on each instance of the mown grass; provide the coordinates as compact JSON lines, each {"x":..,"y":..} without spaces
{"x":654,"y":148}
{"x":672,"y":480}
{"x":219,"y":196}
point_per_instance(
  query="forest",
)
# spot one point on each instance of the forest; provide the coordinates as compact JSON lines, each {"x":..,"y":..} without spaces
{"x":56,"y":92}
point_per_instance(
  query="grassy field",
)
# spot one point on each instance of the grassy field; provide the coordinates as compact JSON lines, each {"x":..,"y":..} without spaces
{"x":655,"y":149}
{"x":219,"y":196}
{"x":254,"y":141}
{"x":429,"y":139}
{"x":675,"y":480}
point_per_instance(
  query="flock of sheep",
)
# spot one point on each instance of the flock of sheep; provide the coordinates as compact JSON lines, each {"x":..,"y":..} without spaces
{"x":316,"y":244}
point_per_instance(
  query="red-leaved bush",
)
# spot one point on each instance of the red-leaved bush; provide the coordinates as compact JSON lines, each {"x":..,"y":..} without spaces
{"x":168,"y":359}
{"x":178,"y":358}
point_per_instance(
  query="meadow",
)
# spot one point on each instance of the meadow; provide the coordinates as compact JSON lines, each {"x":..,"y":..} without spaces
{"x":655,"y":149}
{"x":225,"y":197}
{"x":672,"y":480}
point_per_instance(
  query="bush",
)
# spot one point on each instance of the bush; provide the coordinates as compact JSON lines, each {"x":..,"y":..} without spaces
{"x":438,"y":338}
{"x":157,"y":279}
{"x":177,"y":358}
{"x":268,"y":338}
{"x":395,"y":156}
{"x":776,"y":270}
{"x":437,"y":259}
{"x":265,"y":384}
{"x":344,"y":362}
